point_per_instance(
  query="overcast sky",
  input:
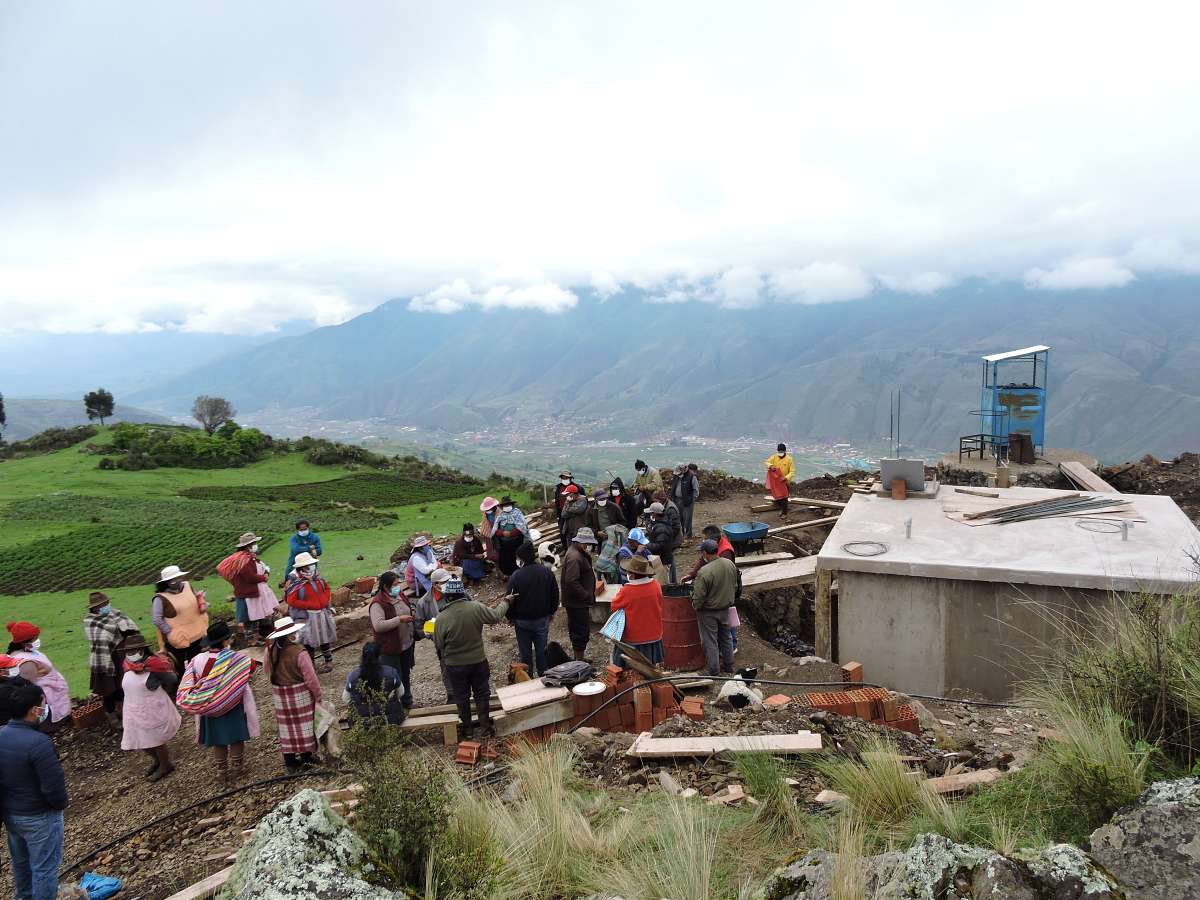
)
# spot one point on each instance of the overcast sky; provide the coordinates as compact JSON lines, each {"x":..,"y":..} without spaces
{"x":230,"y":166}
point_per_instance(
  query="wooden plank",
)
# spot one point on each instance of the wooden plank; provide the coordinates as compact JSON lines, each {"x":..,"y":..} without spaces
{"x":802,"y":570}
{"x":992,"y":510}
{"x":534,"y":717}
{"x":761,"y":559}
{"x":528,"y":693}
{"x":977,"y":492}
{"x":422,"y":722}
{"x":763,"y":507}
{"x":804,"y":501}
{"x":796,"y":526}
{"x":1081,"y":476}
{"x":823,"y":626}
{"x":964,"y":783}
{"x":443,"y":709}
{"x":647,"y":747}
{"x":201,"y":890}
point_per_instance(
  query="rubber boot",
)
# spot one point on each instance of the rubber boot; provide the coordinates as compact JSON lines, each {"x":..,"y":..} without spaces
{"x":154,"y":766}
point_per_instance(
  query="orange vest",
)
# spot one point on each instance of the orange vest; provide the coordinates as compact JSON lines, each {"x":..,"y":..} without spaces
{"x":188,"y":624}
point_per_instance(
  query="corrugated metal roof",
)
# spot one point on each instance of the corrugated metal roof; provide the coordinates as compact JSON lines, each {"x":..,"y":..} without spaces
{"x":997,"y":357}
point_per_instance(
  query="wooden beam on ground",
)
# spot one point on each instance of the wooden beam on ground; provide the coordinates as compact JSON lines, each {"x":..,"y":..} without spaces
{"x":763,"y":507}
{"x":823,"y":626}
{"x":809,"y":501}
{"x":802,"y":570}
{"x":647,"y":747}
{"x":419,"y":723}
{"x":963,"y":783}
{"x":443,"y":709}
{"x":796,"y":526}
{"x":761,"y":559}
{"x":1083,"y":477}
{"x":202,"y":890}
{"x":535,"y":717}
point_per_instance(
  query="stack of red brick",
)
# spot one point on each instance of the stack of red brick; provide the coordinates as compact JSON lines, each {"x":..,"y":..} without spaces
{"x":869,"y":704}
{"x":636,"y":711}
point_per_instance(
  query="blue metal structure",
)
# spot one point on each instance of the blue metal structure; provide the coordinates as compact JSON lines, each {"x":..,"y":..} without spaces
{"x":1014,"y":396}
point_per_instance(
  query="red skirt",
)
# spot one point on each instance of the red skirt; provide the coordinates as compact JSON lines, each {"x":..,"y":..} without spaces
{"x":294,"y":711}
{"x":776,"y":484}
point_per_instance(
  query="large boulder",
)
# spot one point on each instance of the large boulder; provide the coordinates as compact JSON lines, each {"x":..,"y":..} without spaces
{"x":1153,"y":846}
{"x":302,"y":850}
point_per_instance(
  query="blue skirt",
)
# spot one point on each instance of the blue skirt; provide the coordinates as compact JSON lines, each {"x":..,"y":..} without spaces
{"x":223,"y":730}
{"x":474,"y":569}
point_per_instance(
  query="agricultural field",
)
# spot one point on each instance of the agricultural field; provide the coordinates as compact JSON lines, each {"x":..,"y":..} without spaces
{"x":66,"y":524}
{"x":366,"y":490}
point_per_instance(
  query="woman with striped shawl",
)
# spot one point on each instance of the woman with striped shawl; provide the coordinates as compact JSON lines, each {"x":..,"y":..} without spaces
{"x":295,"y":692}
{"x":216,"y":689}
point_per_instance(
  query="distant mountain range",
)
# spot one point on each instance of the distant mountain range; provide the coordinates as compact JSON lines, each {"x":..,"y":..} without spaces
{"x":1124,"y":369}
{"x":28,"y":416}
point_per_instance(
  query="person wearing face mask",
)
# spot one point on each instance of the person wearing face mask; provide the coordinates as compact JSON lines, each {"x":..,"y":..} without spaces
{"x":307,"y":596}
{"x":392,"y":628}
{"x":459,"y":636}
{"x":468,"y":553}
{"x":511,"y":531}
{"x":255,"y":603}
{"x":295,"y":693}
{"x":578,"y":590}
{"x":489,"y":509}
{"x":10,"y":680}
{"x":105,"y":629}
{"x":604,"y":513}
{"x":662,"y":536}
{"x":574,"y":514}
{"x":426,"y":609}
{"x":33,"y":794}
{"x":535,"y":599}
{"x":623,"y":499}
{"x":645,"y":484}
{"x":565,"y":480}
{"x":37,"y":668}
{"x":780,"y":470}
{"x":304,"y":540}
{"x":685,"y":491}
{"x":150,"y":717}
{"x":180,"y":615}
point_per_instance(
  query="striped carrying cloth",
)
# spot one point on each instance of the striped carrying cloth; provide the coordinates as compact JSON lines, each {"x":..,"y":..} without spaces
{"x":217,"y":689}
{"x":294,"y":711}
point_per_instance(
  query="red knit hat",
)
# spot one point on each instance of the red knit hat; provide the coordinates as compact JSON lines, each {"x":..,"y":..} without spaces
{"x":570,"y":489}
{"x":23,"y":631}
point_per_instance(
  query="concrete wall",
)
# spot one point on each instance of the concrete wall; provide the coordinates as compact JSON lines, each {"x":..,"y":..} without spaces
{"x":932,"y":636}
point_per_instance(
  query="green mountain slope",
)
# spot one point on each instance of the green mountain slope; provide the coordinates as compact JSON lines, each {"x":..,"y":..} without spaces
{"x":28,"y":416}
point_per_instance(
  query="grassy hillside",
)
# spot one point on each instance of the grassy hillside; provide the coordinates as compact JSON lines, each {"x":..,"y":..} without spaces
{"x":92,"y":516}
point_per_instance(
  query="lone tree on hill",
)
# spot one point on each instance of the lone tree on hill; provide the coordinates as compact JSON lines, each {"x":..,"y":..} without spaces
{"x":212,"y":412}
{"x":98,"y":404}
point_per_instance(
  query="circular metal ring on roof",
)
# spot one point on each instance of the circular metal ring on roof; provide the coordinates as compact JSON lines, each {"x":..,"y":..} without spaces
{"x":866,"y":548}
{"x":1101,"y":527}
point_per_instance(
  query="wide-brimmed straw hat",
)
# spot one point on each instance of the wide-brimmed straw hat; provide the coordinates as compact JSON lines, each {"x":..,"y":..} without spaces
{"x":637,"y":565}
{"x":170,"y":573}
{"x":439,"y":576}
{"x":247,"y":539}
{"x":304,"y":559}
{"x":488,"y":503}
{"x":284,"y":627}
{"x":420,"y":541}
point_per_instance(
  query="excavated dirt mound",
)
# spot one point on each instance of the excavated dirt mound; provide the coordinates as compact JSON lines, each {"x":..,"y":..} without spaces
{"x":1178,"y":478}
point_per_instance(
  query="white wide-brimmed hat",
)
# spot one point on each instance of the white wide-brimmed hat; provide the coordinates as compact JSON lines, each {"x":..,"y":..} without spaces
{"x":304,"y":559}
{"x":247,"y":539}
{"x":284,"y":627}
{"x":170,"y":573}
{"x":439,"y":576}
{"x":420,"y":541}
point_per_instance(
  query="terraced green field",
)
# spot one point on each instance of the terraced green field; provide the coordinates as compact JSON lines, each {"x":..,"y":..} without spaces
{"x":67,"y":528}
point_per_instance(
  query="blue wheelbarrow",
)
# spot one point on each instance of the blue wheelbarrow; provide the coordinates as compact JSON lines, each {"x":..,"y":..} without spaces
{"x":746,"y":537}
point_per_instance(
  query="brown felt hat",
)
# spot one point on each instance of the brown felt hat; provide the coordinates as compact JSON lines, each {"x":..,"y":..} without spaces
{"x":637,"y":565}
{"x":97,"y":599}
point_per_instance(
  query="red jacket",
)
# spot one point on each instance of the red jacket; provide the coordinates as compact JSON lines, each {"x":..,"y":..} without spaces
{"x":305,"y":594}
{"x":246,"y":581}
{"x":643,"y":611}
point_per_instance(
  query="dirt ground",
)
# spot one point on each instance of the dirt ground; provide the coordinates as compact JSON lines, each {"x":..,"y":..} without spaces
{"x":109,"y":794}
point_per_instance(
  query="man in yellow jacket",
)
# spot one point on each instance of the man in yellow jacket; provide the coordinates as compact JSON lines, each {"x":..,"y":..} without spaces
{"x":780,"y":470}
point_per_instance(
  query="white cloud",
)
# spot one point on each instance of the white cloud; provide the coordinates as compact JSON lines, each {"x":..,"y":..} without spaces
{"x":604,"y":284}
{"x":458,"y":295}
{"x":820,"y":282}
{"x":920,"y":283}
{"x":1092,"y":272}
{"x":601,"y":148}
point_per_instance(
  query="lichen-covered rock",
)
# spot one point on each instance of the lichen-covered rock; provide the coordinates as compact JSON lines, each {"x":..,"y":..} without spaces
{"x":1152,"y":848}
{"x":998,"y":878}
{"x":811,"y":876}
{"x":936,"y":868}
{"x":302,"y":850}
{"x":1064,"y":872}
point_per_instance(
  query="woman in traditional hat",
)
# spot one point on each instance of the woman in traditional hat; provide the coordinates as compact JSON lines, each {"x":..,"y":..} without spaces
{"x":510,"y":532}
{"x":469,"y":553}
{"x":642,"y":598}
{"x":307,"y":596}
{"x":490,"y":508}
{"x":392,"y":623}
{"x":180,"y":615}
{"x":216,"y":688}
{"x":149,"y":715}
{"x":254,"y":601}
{"x":421,"y":564}
{"x":295,"y":693}
{"x":105,"y":629}
{"x":37,"y":668}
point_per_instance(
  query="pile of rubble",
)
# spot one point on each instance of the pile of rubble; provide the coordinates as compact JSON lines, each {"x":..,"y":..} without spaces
{"x":1178,"y":478}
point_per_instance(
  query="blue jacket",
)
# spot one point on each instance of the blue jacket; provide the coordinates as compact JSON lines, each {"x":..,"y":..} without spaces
{"x":31,"y":777}
{"x":310,"y":543}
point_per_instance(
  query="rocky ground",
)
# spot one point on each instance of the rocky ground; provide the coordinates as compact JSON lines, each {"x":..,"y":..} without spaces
{"x":1178,"y":478}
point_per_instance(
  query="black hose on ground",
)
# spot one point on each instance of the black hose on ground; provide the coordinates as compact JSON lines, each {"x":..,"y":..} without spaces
{"x":163,"y":818}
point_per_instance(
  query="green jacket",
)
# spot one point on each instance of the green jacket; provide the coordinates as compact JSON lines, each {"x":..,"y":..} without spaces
{"x":715,"y":587}
{"x":458,"y":632}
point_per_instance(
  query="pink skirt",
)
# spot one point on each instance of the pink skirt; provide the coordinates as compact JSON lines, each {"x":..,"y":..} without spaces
{"x":149,"y":718}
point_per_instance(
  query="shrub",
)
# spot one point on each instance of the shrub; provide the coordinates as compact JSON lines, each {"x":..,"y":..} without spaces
{"x":168,"y":446}
{"x":46,"y":441}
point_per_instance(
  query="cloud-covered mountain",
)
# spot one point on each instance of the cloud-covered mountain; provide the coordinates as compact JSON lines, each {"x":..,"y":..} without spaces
{"x":1124,"y":371}
{"x":27,"y":416}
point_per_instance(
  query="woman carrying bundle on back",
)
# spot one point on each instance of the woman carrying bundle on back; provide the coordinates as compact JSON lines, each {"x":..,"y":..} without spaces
{"x":307,"y":596}
{"x":215,"y":688}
